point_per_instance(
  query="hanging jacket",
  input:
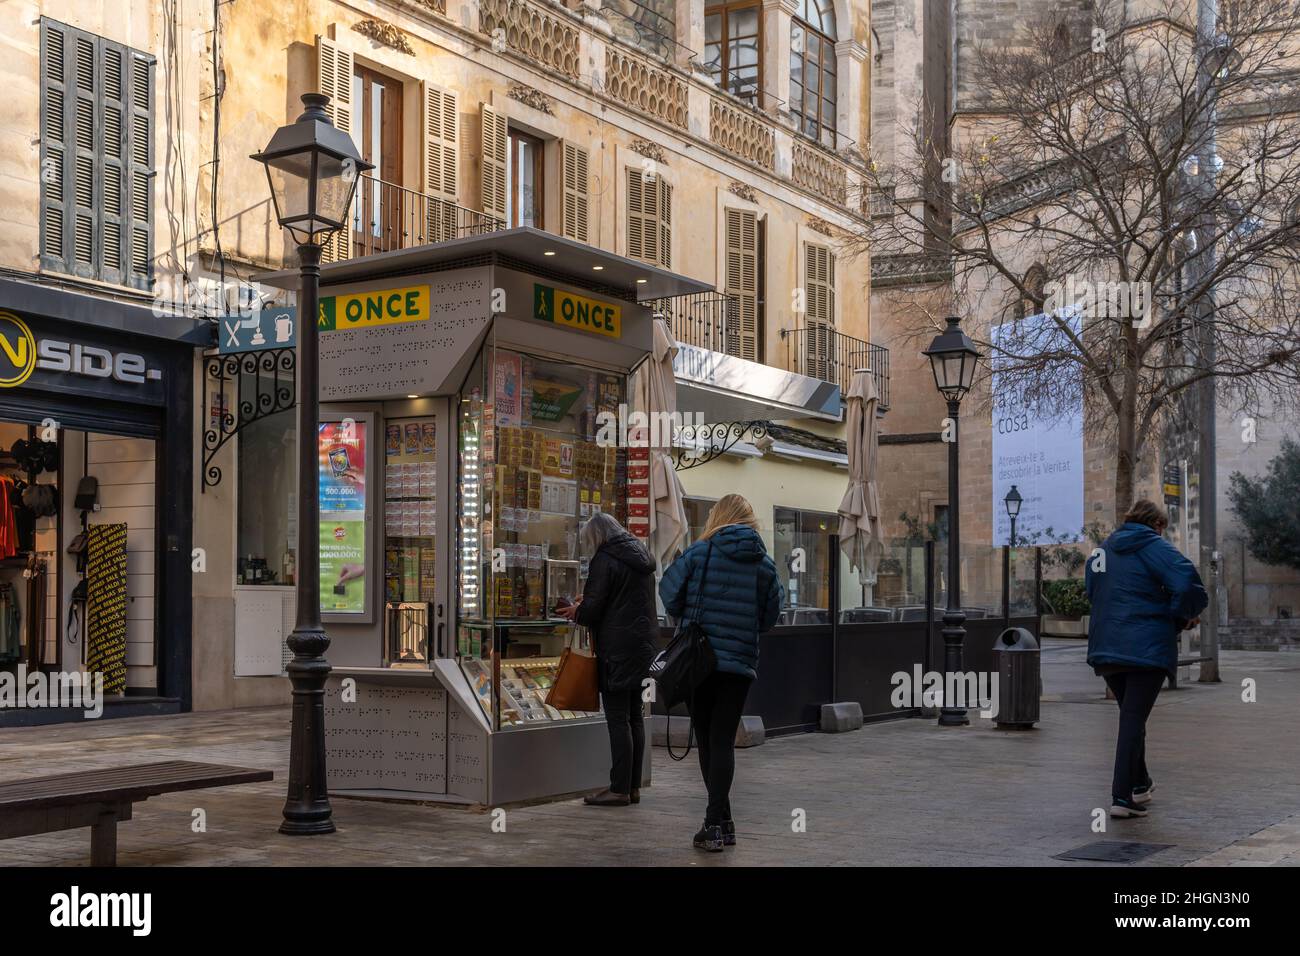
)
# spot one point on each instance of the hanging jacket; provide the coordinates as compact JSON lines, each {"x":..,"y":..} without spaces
{"x":742,"y":595}
{"x":1144,"y":597}
{"x":11,"y":637}
{"x":618,"y":605}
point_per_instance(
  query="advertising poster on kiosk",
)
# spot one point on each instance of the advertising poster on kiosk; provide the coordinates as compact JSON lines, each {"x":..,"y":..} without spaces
{"x":342,"y":456}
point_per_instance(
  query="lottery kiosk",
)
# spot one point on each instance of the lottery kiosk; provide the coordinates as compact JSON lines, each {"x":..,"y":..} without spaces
{"x":471,"y":392}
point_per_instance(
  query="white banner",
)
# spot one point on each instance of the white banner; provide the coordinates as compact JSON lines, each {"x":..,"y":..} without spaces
{"x":1039,"y":451}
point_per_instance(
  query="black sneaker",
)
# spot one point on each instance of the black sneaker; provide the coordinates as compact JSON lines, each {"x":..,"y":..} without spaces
{"x":709,"y":838}
{"x":1121,"y":809}
{"x":729,"y":833}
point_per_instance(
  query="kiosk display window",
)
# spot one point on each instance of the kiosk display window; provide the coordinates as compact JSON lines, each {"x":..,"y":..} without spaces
{"x":537,"y":458}
{"x":342,"y":450}
{"x":410,"y":536}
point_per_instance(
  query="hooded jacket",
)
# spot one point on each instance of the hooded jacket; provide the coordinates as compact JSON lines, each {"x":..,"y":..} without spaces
{"x":741,"y":598}
{"x":618,"y":605}
{"x":1144,"y":597}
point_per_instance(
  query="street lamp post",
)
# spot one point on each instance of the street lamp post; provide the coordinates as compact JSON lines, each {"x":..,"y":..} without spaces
{"x":953,"y":358}
{"x":312,"y":169}
{"x":1013,"y":501}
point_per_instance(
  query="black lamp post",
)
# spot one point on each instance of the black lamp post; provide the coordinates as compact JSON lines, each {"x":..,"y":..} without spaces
{"x":1013,"y":501}
{"x":953,"y":357}
{"x":312,"y":168}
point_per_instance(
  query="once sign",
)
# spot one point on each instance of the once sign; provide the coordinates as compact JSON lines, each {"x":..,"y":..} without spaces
{"x":381,"y":307}
{"x":577,"y":312}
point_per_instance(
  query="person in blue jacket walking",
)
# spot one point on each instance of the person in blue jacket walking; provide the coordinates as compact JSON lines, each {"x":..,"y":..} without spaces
{"x":737,"y":597}
{"x":1143,"y":592}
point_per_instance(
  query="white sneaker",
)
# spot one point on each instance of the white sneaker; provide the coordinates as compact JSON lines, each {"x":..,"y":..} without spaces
{"x":1122,"y":809}
{"x":1144,"y":797}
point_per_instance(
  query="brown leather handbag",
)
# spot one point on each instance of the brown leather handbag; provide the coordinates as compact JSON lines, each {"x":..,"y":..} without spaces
{"x":577,"y":684}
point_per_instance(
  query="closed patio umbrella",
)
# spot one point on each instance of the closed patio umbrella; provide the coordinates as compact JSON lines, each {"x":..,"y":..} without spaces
{"x":668,"y":518}
{"x":860,"y":508}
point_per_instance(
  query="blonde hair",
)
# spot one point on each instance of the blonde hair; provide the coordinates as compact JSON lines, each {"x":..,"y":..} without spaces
{"x":730,"y":509}
{"x":1147,"y":512}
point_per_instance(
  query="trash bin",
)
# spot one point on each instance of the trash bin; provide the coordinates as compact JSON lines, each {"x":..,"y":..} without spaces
{"x":1018,"y":657}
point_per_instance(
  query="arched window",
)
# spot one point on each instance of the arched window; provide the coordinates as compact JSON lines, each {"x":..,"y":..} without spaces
{"x":812,"y":70}
{"x":733,"y":46}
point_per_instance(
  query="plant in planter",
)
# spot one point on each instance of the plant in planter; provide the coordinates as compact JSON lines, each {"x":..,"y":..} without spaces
{"x":1067,"y":600}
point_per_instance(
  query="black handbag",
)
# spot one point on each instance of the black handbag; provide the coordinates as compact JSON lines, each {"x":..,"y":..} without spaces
{"x":684,"y":664}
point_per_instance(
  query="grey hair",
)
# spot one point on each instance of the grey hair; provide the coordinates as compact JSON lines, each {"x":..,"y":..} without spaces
{"x":599,"y":529}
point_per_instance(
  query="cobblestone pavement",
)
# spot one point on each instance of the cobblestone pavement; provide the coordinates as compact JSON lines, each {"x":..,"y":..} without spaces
{"x":900,"y":792}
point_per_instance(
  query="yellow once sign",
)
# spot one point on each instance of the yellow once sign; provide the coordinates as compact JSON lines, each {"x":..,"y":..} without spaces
{"x":577,"y":312}
{"x":381,"y":307}
{"x":17,"y":350}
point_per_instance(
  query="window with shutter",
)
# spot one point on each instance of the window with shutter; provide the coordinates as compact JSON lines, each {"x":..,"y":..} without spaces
{"x":334,"y":69}
{"x":741,"y":281}
{"x":576,"y":180}
{"x":819,"y":291}
{"x":495,"y":142}
{"x":649,"y":218}
{"x":440,"y":120}
{"x":96,"y":157}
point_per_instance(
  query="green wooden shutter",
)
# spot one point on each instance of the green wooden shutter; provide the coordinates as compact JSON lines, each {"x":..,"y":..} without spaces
{"x":96,"y":157}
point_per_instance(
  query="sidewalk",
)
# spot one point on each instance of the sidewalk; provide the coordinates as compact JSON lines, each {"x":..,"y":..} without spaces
{"x":899,"y":793}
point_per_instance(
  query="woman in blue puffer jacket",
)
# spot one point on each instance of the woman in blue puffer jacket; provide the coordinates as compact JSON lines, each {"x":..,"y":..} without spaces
{"x":1142,"y":595}
{"x":727,"y":579}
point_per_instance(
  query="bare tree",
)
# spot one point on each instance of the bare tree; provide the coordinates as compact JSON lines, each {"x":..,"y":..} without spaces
{"x":1092,"y":159}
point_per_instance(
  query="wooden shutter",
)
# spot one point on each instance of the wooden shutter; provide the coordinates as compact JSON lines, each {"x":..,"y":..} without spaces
{"x":819,"y":290}
{"x":741,"y":281}
{"x":441,"y":137}
{"x":96,"y":157}
{"x":496,"y":141}
{"x":139,"y":163}
{"x":649,"y":218}
{"x":58,"y":98}
{"x":575,"y":179}
{"x":635,"y":214}
{"x":665,"y":223}
{"x":334,"y":69}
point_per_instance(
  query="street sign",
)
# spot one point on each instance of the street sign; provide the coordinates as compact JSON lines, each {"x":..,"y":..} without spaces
{"x":1173,"y":483}
{"x":268,"y":328}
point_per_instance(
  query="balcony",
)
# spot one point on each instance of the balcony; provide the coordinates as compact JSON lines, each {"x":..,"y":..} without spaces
{"x":818,"y":351}
{"x":706,"y":320}
{"x":387,"y":217}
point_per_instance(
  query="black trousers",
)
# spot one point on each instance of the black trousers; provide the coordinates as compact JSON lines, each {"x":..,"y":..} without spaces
{"x":719,"y":703}
{"x":626,"y":724}
{"x":1136,"y":692}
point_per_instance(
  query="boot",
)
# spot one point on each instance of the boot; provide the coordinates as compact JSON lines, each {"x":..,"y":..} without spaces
{"x":607,"y":798}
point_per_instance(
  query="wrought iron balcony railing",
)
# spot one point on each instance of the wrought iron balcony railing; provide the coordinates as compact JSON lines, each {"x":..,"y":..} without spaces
{"x":386,"y":216}
{"x":707,"y":320}
{"x":818,"y":351}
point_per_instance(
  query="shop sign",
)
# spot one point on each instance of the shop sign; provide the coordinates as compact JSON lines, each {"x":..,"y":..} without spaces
{"x":576,"y":312}
{"x":265,"y":329}
{"x":21,"y":354}
{"x":380,"y":307}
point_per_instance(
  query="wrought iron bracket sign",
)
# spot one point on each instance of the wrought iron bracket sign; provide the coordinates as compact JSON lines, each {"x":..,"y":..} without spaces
{"x":239,"y":389}
{"x":701,"y":444}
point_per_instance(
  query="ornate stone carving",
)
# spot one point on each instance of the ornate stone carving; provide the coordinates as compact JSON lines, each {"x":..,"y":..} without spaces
{"x":815,"y":170}
{"x":532,"y":97}
{"x":433,"y":6}
{"x":817,"y":224}
{"x":384,"y":33}
{"x":650,"y":150}
{"x":744,"y":191}
{"x":545,"y":39}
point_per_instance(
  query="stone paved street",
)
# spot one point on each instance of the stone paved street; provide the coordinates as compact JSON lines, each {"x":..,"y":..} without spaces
{"x":902,"y":792}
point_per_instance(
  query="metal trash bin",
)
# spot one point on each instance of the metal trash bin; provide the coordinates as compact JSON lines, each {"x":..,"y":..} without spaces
{"x":1019,"y":666}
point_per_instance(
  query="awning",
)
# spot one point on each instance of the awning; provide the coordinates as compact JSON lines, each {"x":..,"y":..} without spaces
{"x":724,"y":388}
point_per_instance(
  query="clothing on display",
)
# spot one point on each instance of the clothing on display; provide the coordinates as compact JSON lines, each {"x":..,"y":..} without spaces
{"x":11,"y":638}
{"x":8,"y":525}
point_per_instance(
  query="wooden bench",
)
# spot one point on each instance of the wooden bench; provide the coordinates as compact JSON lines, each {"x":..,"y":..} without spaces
{"x":100,"y":799}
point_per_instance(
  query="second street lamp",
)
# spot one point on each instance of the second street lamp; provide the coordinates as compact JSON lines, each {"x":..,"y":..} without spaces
{"x":1012,"y":502}
{"x":312,"y":167}
{"x":953,"y":358}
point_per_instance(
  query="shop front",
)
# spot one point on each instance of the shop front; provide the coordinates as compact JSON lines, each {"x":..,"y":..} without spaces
{"x":95,"y":501}
{"x":472,"y":395}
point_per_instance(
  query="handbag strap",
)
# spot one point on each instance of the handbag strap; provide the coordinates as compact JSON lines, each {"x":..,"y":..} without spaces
{"x":704,"y":579}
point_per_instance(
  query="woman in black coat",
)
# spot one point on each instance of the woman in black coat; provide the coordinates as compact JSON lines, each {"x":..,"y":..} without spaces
{"x":618,"y":605}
